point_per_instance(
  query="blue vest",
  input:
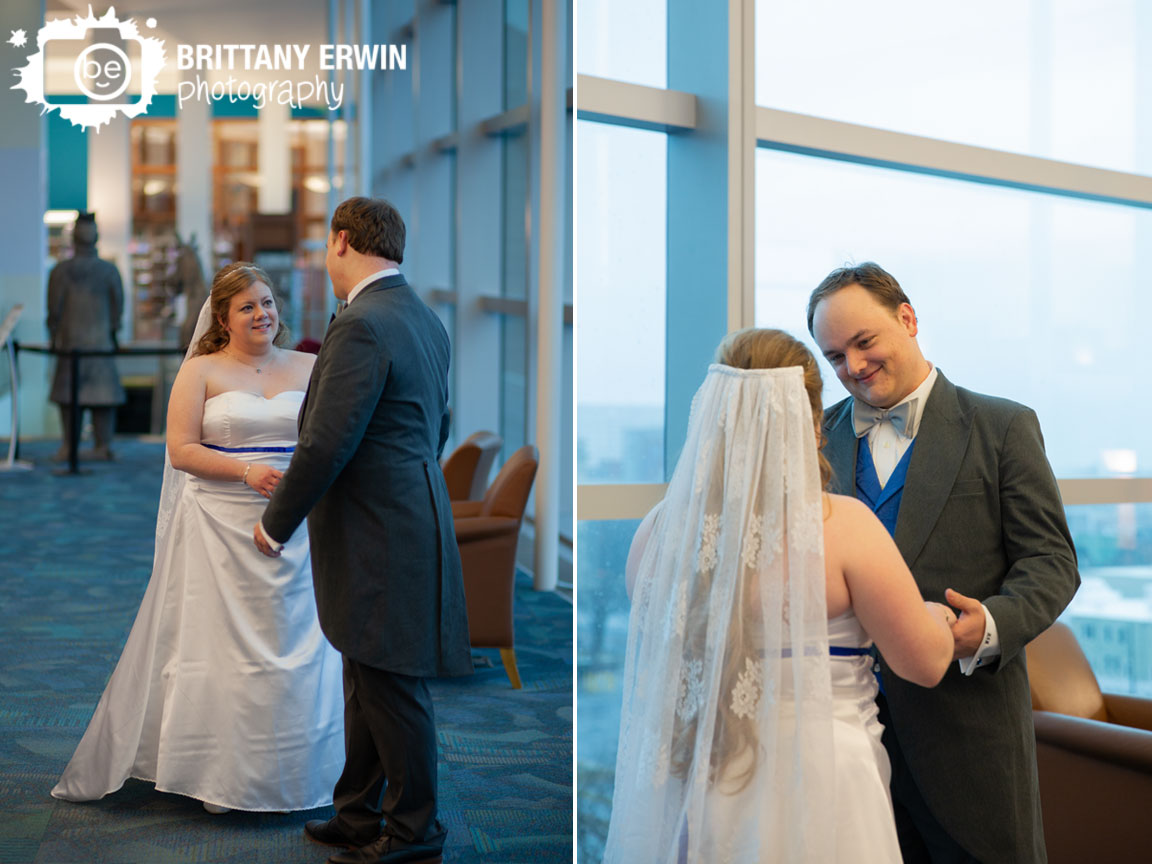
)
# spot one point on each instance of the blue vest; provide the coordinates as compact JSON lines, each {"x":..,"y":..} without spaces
{"x":884,"y":502}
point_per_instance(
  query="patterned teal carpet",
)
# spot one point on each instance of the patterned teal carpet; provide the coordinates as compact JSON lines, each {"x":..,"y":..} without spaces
{"x":75,"y":556}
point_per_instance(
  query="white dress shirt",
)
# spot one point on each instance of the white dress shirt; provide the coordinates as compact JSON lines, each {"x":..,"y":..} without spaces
{"x":364,"y":283}
{"x":888,"y":445}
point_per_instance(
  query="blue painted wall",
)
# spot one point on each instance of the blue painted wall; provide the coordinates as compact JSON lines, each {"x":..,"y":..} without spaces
{"x":67,"y":160}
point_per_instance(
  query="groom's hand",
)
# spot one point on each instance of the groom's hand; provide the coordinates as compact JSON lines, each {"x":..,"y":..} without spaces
{"x":263,"y":546}
{"x":968,"y":631}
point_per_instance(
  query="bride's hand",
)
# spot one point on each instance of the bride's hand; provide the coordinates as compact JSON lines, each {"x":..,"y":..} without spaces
{"x":262,"y":478}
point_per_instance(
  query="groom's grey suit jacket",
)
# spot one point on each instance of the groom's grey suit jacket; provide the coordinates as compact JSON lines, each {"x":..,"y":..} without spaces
{"x":385,"y":563}
{"x":981,"y":513}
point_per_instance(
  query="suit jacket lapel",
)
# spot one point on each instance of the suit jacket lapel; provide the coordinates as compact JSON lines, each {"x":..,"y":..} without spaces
{"x":941,"y":442}
{"x":841,"y":449}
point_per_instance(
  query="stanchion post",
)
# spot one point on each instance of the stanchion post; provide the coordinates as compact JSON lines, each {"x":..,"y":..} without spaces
{"x":75,"y":414}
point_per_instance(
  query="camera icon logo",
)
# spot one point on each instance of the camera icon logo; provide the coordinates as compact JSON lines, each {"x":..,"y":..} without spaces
{"x":103,"y":71}
{"x":92,"y":69}
{"x":105,"y":67}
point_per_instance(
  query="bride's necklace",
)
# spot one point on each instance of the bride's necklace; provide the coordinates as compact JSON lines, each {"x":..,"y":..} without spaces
{"x":259,"y":369}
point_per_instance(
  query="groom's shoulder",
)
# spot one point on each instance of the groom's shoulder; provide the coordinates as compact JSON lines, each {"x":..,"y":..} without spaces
{"x":998,"y":407}
{"x":833,"y":412}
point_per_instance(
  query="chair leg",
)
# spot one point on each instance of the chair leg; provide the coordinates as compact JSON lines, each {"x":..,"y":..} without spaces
{"x":508,"y":655}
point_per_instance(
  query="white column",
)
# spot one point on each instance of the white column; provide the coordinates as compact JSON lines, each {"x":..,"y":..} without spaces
{"x":23,"y":240}
{"x":364,"y":164}
{"x":194,"y":177}
{"x":350,"y":77}
{"x":274,"y":156}
{"x":550,"y":222}
{"x":334,"y":196}
{"x":110,"y":198}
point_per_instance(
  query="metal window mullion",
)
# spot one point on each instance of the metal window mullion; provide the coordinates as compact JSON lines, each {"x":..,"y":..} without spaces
{"x":835,"y":139}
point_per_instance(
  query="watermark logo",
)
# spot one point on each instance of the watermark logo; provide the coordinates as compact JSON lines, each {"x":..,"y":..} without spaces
{"x":112,"y":65}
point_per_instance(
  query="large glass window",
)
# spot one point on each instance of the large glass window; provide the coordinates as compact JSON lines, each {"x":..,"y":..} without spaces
{"x":514,"y":285}
{"x":1031,"y":296}
{"x":516,"y":18}
{"x":621,"y":261}
{"x":625,"y":41}
{"x":601,"y":637}
{"x":1024,"y":295}
{"x":1063,"y":79}
{"x":1111,"y":614}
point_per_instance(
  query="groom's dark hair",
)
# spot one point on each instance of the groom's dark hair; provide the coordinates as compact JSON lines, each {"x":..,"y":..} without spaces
{"x":373,"y":226}
{"x":870,"y":276}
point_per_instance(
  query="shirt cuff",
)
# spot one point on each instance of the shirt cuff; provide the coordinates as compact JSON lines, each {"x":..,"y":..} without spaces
{"x":989,"y":648}
{"x":276,"y":547}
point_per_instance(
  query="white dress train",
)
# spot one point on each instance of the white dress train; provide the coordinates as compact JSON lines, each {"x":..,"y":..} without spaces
{"x":226,"y":690}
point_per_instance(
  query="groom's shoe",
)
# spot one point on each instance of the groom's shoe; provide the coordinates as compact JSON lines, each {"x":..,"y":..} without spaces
{"x":391,"y":850}
{"x":328,"y":833}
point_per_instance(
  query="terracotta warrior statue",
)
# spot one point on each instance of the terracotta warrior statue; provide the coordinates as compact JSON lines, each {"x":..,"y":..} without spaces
{"x":85,"y":305}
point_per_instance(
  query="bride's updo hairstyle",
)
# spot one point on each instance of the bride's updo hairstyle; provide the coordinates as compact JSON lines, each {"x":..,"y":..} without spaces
{"x":229,"y":281}
{"x":764,"y":348}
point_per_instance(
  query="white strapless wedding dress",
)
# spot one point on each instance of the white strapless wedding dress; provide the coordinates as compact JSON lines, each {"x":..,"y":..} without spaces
{"x":865,"y":825}
{"x":226,"y":691}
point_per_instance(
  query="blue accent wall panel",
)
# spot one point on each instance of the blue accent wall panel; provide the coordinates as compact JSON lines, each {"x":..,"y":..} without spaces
{"x":67,"y":160}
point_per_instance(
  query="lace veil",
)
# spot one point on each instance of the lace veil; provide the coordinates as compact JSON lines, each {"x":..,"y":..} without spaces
{"x":726,"y":731}
{"x":174,"y":480}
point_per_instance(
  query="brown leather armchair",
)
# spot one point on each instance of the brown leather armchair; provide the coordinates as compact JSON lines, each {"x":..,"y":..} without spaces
{"x":1094,"y":755}
{"x":467,"y":468}
{"x":487,"y":532}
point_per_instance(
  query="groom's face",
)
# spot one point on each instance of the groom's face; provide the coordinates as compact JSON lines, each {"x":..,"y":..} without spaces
{"x":872,"y":349}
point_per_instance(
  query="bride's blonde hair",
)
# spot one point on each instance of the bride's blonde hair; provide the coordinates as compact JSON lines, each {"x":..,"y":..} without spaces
{"x":765,"y":348}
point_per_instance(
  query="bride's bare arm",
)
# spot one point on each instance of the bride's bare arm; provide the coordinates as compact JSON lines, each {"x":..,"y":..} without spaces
{"x":913,"y":637}
{"x":636,"y":550}
{"x":185,"y":417}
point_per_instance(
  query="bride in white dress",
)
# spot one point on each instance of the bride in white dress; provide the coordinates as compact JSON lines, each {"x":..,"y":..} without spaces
{"x":226,"y":690}
{"x":748,"y":731}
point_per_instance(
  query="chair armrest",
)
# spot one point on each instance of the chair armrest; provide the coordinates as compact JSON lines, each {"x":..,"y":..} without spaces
{"x":482,"y":527}
{"x":1119,"y":745}
{"x":1129,"y":710}
{"x":466,"y":508}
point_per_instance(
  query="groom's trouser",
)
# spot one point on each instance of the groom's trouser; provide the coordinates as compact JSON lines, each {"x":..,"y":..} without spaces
{"x":389,"y":757}
{"x":923,"y":839}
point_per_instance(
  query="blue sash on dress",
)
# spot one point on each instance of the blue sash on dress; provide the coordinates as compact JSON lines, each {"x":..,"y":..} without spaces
{"x":834,"y":651}
{"x":250,"y":449}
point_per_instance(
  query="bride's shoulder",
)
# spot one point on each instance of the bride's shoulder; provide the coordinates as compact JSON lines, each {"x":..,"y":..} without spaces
{"x":845,"y":509}
{"x":199,"y":364}
{"x":303,"y":359}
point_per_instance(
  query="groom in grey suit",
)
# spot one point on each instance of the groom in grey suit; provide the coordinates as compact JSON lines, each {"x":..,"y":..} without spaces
{"x":385,"y":564}
{"x":961,"y":481}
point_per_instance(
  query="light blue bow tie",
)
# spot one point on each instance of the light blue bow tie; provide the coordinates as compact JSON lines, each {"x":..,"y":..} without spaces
{"x":864,"y":416}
